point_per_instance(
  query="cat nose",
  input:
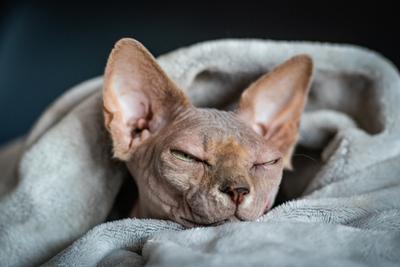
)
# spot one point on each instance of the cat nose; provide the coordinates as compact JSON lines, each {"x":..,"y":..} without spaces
{"x":236,"y":193}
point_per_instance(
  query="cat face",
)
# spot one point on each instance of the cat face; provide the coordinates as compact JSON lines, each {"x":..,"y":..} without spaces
{"x":205,"y":168}
{"x":201,"y":167}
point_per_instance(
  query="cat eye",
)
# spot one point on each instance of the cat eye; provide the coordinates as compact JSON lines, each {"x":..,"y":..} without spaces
{"x":181,"y":155}
{"x":267,"y":163}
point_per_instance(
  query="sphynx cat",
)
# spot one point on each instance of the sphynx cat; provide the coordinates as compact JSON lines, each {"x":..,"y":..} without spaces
{"x":201,"y":166}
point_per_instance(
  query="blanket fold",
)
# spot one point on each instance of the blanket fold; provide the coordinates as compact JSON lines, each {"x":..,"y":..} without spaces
{"x":59,"y":183}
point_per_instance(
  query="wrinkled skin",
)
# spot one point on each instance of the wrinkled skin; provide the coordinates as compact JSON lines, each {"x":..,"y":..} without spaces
{"x":189,"y":192}
{"x":201,"y":167}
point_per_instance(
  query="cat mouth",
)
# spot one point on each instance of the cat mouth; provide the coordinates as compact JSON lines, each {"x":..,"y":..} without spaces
{"x":198,"y":224}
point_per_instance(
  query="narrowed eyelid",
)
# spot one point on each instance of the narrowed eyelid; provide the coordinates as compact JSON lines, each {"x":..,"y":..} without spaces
{"x":178,"y":151}
{"x":267,"y":163}
{"x":184,"y":153}
{"x":194,"y":158}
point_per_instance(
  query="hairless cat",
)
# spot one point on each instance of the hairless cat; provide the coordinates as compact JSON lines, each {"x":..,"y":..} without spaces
{"x":202,"y":166}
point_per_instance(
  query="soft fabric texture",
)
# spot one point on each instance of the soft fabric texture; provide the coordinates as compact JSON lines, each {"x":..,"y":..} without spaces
{"x":59,"y":183}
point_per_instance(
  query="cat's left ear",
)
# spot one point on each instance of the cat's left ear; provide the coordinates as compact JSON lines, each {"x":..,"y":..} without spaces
{"x":274,"y":103}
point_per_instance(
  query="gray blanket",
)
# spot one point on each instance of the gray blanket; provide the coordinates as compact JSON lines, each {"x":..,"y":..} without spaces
{"x":59,"y":183}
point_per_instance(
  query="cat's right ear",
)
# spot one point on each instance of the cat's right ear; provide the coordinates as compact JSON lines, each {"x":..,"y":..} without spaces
{"x":139,"y":98}
{"x":273,"y":104}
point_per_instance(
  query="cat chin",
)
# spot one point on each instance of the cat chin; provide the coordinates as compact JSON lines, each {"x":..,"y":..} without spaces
{"x":192,"y":224}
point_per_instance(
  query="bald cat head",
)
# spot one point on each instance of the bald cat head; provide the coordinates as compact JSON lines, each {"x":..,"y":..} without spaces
{"x":198,"y":166}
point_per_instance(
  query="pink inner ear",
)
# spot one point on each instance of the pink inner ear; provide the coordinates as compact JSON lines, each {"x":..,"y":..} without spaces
{"x":273,"y":104}
{"x":258,"y":128}
{"x":270,"y":101}
{"x":137,"y":94}
{"x":134,"y":107}
{"x":134,"y":104}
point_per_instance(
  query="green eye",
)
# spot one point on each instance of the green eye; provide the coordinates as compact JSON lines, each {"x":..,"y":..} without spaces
{"x":183,"y":156}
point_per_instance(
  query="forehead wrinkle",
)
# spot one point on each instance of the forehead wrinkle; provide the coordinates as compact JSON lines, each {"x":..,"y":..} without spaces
{"x":205,"y":142}
{"x":214,"y":127}
{"x":230,"y":153}
{"x":230,"y":146}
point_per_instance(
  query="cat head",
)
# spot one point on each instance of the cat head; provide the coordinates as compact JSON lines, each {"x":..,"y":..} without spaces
{"x":200,"y":166}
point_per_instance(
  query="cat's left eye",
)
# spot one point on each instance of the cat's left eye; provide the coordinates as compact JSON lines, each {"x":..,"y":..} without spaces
{"x":272,"y":162}
{"x":267,"y":163}
{"x":181,"y":155}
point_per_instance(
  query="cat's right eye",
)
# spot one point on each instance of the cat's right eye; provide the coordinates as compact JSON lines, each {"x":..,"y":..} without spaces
{"x":184,"y":156}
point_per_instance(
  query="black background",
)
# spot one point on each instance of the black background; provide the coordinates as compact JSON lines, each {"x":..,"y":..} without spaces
{"x":46,"y":47}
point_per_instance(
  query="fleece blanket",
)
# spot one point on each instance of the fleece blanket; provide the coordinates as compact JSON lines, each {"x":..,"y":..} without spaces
{"x":60,"y":189}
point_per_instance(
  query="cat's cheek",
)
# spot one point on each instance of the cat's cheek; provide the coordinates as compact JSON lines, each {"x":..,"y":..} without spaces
{"x":266,"y":184}
{"x":181,"y":175}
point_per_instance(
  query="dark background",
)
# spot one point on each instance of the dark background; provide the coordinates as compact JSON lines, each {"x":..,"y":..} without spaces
{"x":46,"y":47}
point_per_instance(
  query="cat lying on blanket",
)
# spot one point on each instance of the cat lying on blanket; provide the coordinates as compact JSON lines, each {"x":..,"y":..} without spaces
{"x":200,"y":166}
